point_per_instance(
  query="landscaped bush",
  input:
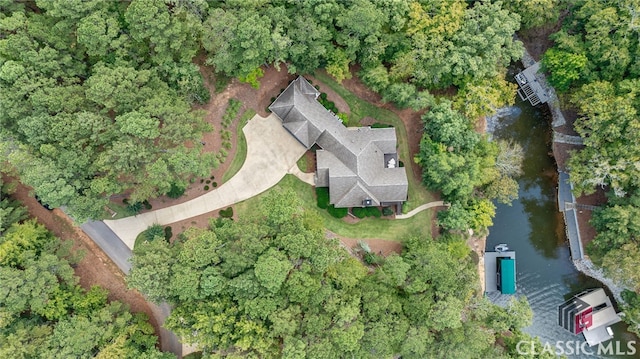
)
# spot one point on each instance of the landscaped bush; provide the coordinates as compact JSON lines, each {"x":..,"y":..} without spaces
{"x":134,"y":207}
{"x":226,"y":213}
{"x":175,"y":191}
{"x":329,"y":105}
{"x":231,"y":112}
{"x":387,"y":211}
{"x":372,"y":212}
{"x":359,"y":212}
{"x":372,"y":258}
{"x":362,"y":212}
{"x":152,"y":232}
{"x":214,"y":184}
{"x":147,"y":205}
{"x":380,"y":125}
{"x":168,"y":233}
{"x":344,"y":118}
{"x":206,"y":188}
{"x":337,"y":212}
{"x":322,"y":194}
{"x":400,"y":164}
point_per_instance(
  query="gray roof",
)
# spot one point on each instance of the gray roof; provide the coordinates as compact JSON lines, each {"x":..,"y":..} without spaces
{"x":354,"y":158}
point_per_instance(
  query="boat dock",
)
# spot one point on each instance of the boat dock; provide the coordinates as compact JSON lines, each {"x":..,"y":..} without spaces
{"x":491,"y":270}
{"x":529,"y":88}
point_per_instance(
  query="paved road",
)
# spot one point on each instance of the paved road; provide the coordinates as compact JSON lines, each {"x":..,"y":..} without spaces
{"x":271,"y":153}
{"x":110,"y":244}
{"x":120,"y":254}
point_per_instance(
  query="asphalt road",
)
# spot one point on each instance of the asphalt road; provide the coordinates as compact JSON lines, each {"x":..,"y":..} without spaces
{"x":120,"y":254}
{"x":111,"y":244}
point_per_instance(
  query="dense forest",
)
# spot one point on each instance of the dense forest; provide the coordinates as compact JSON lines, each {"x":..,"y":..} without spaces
{"x":595,"y":61}
{"x":95,"y":96}
{"x":44,"y":313}
{"x":274,"y":286}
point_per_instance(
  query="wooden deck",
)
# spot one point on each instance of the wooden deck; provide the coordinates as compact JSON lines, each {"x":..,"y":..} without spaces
{"x":529,"y":88}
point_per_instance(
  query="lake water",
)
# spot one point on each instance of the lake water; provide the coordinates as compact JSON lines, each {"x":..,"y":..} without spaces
{"x":534,"y":228}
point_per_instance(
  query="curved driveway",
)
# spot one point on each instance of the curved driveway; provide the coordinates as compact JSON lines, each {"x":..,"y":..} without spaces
{"x":271,"y":153}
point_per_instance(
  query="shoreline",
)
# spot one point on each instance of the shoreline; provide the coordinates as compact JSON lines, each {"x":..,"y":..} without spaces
{"x":583,"y":265}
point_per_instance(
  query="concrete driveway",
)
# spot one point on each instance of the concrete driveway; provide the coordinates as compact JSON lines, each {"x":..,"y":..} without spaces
{"x":271,"y":153}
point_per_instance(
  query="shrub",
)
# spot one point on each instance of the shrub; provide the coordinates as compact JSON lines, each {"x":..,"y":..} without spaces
{"x":168,"y":233}
{"x":175,"y":191}
{"x":372,"y":212}
{"x":337,"y":212}
{"x":147,"y":205}
{"x":359,"y":212}
{"x":201,"y":180}
{"x":214,"y":184}
{"x":206,"y":188}
{"x":380,"y":125}
{"x":372,"y":258}
{"x":400,"y":164}
{"x":226,"y":213}
{"x":207,"y":181}
{"x":212,"y":177}
{"x":322,"y":194}
{"x":344,"y":118}
{"x":134,"y":207}
{"x":153,"y":231}
{"x":387,"y":211}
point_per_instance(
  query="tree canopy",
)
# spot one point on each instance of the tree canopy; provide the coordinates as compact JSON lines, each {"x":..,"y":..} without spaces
{"x":274,"y":286}
{"x":594,"y":60}
{"x":84,"y":114}
{"x":44,"y":313}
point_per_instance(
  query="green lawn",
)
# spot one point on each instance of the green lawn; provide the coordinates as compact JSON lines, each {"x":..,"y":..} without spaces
{"x":360,"y":109}
{"x":396,"y":230}
{"x":241,"y":153}
{"x":303,"y":164}
{"x":121,"y":210}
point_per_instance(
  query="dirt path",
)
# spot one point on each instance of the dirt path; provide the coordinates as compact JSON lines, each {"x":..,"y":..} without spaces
{"x":95,"y":268}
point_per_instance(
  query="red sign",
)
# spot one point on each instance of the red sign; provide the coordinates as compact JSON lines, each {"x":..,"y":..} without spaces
{"x":583,"y":320}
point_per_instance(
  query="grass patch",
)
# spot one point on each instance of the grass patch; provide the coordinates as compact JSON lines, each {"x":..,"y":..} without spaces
{"x":366,"y":228}
{"x":360,"y":109}
{"x":121,"y":211}
{"x":241,"y":152}
{"x":303,"y":163}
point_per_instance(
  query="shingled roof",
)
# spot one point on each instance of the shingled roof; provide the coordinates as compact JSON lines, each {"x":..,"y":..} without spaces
{"x":354,"y":162}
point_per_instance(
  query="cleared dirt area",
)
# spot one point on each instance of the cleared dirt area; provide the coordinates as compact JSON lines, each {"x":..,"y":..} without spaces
{"x":95,"y":268}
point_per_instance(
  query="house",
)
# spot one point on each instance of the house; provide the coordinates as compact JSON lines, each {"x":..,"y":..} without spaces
{"x":358,"y":164}
{"x":589,"y":313}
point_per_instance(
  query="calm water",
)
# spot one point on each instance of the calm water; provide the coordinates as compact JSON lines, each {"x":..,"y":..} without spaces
{"x":533,"y":227}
